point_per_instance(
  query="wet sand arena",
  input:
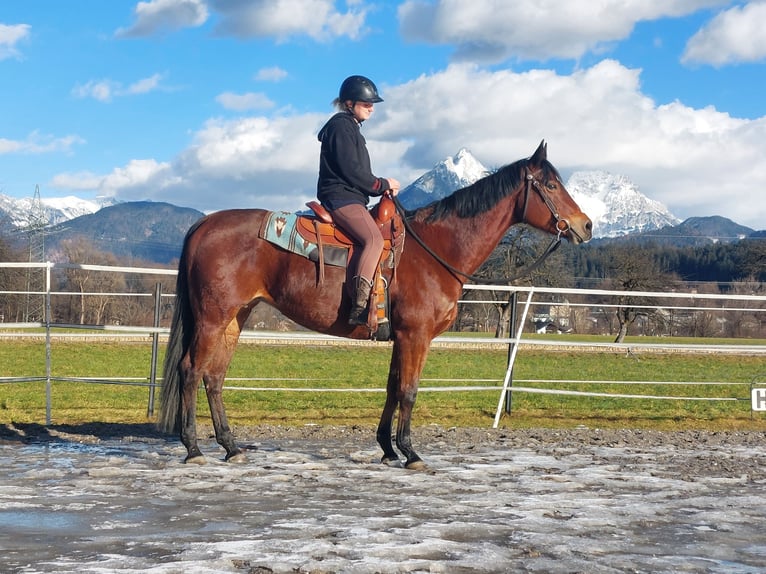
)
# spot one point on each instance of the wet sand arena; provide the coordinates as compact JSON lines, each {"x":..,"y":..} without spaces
{"x":116,"y":498}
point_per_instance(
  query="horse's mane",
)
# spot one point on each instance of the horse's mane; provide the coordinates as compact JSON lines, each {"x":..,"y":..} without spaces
{"x":480,"y":196}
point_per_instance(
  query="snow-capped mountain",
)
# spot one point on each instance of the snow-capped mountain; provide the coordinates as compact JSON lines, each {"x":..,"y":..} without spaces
{"x":23,"y":213}
{"x":450,"y":174}
{"x":613,"y":202}
{"x":615,"y":205}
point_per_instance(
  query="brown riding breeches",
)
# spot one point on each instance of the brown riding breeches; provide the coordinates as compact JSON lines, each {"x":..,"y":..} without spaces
{"x":357,"y":222}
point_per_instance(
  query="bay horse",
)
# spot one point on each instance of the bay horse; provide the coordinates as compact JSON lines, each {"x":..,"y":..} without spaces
{"x":226,"y":269}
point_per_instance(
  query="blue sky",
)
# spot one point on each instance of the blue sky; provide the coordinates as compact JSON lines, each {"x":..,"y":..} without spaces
{"x":215,"y":104}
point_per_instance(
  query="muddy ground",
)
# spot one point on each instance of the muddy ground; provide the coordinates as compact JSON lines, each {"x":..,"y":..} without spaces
{"x":117,"y":498}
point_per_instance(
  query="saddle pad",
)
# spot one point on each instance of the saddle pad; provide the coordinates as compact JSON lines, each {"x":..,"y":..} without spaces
{"x":280,"y":228}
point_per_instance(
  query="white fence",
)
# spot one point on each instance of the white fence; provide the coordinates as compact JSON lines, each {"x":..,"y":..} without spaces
{"x":566,"y":306}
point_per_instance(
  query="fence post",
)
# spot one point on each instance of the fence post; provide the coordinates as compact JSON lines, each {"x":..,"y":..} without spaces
{"x":512,"y":360}
{"x":155,"y":347}
{"x":48,"y":389}
{"x":511,"y":345}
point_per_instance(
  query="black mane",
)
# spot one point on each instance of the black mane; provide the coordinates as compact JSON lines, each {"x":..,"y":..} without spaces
{"x":482,"y":195}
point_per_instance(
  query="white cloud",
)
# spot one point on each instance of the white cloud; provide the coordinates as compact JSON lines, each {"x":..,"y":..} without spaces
{"x":100,"y":90}
{"x":137,"y":174}
{"x":145,"y":85}
{"x":255,"y":149}
{"x":79,"y":181}
{"x":242,"y":102}
{"x":735,"y":35}
{"x":160,"y":15}
{"x":273,"y":74}
{"x":37,"y":143}
{"x":496,"y":30}
{"x":282,"y":19}
{"x":596,"y":118}
{"x":105,"y":90}
{"x":245,"y":162}
{"x":10,"y":36}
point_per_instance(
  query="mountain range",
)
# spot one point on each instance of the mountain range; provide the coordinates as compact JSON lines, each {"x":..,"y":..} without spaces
{"x":154,"y":231}
{"x":613,"y":202}
{"x":138,"y":230}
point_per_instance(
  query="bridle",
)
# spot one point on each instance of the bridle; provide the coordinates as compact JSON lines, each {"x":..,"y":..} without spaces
{"x":562,"y":227}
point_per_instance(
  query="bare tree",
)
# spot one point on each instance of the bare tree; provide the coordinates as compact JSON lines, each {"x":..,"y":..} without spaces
{"x":630,"y":267}
{"x":11,"y":307}
{"x":90,"y":309}
{"x":519,"y":250}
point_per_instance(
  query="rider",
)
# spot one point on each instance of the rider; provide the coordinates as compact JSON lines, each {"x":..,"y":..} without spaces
{"x":346,"y":183}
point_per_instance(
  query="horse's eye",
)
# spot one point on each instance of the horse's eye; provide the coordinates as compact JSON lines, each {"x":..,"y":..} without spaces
{"x":551,"y":185}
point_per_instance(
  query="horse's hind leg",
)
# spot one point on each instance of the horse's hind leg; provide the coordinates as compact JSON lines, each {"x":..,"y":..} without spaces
{"x":207,"y":359}
{"x":188,"y":413}
{"x":214,"y":379}
{"x":223,"y":434}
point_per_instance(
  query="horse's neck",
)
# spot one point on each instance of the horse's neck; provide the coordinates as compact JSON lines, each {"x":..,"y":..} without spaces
{"x":466,"y":243}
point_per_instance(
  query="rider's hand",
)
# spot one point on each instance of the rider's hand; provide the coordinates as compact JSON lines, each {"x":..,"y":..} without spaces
{"x":394,"y":184}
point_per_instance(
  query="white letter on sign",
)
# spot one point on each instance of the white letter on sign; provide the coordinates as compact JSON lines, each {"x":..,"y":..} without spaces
{"x":758,"y":397}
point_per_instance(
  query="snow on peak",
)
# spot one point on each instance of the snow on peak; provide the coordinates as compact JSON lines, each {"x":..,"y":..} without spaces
{"x":447,"y":176}
{"x":615,"y":204}
{"x":66,"y":208}
{"x":465,"y":166}
{"x":22,"y":212}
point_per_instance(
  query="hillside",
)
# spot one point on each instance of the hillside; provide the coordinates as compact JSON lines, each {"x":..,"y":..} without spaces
{"x":695,"y":231}
{"x":143,"y":230}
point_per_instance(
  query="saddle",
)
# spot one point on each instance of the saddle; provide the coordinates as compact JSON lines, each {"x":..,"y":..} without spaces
{"x":318,"y":228}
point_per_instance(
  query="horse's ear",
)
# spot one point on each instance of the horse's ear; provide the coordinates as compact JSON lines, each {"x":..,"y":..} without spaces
{"x":540,"y":155}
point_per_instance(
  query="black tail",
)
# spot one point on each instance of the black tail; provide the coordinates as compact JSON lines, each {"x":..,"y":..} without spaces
{"x":181,"y":328}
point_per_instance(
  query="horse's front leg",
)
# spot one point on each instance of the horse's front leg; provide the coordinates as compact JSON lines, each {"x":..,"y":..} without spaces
{"x":387,"y":419}
{"x":407,"y":361}
{"x":403,"y":437}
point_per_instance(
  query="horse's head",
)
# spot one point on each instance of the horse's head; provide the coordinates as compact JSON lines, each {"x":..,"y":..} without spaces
{"x":547,"y":205}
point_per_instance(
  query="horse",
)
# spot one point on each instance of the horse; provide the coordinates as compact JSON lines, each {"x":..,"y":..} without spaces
{"x":226,"y":269}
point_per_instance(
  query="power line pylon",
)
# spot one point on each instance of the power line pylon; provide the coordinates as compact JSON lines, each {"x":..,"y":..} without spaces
{"x":37,"y":220}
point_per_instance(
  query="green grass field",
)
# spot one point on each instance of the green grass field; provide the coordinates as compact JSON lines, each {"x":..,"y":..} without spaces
{"x":364,"y":367}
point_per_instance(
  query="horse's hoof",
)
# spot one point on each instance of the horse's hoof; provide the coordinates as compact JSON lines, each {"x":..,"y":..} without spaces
{"x":237,"y":458}
{"x":419,"y":466}
{"x":392,"y":462}
{"x":197,"y":459}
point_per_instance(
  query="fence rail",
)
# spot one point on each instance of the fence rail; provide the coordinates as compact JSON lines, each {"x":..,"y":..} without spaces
{"x":557,"y":301}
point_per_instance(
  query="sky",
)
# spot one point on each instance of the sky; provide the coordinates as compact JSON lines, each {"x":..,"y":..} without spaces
{"x":215,"y":104}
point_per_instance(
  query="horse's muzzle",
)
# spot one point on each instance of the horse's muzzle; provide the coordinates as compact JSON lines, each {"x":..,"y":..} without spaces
{"x":580,"y":229}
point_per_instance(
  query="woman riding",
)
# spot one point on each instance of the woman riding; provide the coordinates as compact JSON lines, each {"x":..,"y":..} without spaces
{"x":346,"y":183}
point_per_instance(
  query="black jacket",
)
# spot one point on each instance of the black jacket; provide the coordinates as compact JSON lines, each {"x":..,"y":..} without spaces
{"x":345,"y":175}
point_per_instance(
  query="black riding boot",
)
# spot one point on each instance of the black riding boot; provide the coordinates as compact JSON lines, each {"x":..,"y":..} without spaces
{"x":358,"y":314}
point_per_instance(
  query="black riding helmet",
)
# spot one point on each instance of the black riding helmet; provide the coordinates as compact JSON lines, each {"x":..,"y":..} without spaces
{"x":359,"y":89}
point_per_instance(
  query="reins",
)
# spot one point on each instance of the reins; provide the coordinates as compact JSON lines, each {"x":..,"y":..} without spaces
{"x":532,"y":183}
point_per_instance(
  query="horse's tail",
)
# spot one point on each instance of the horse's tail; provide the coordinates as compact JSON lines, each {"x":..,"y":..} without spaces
{"x":181,"y":328}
